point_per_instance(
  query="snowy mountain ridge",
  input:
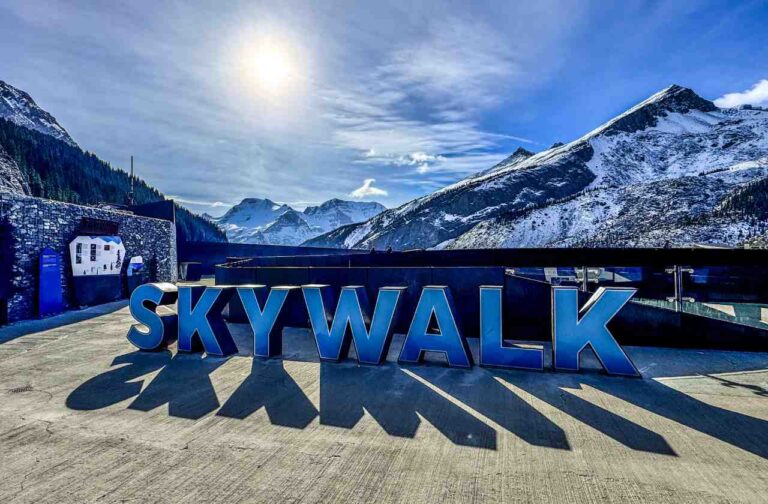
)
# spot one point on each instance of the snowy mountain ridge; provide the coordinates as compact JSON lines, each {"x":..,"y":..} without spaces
{"x":644,"y":166}
{"x":262,"y":221}
{"x":18,"y":107}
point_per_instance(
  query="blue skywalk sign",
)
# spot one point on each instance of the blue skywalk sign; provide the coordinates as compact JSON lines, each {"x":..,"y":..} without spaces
{"x":199,"y":324}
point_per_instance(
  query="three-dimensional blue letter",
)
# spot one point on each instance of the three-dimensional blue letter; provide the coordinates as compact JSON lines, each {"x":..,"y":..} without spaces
{"x":436,"y":300}
{"x":493,"y":353}
{"x":574,"y":329}
{"x":267,"y":332}
{"x":353,"y":312}
{"x":162,"y":329}
{"x":201,"y":325}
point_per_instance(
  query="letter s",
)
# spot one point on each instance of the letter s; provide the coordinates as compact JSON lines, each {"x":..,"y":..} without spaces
{"x":162,"y":329}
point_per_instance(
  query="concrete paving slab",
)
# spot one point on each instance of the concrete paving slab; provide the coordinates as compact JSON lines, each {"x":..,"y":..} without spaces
{"x":86,"y":418}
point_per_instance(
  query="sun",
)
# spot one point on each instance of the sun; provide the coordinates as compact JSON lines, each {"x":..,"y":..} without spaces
{"x":271,"y":67}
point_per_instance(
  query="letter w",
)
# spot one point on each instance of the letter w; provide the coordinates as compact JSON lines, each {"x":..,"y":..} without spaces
{"x":372,"y":336}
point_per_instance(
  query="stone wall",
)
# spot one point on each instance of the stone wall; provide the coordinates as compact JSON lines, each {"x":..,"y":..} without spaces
{"x":34,"y":223}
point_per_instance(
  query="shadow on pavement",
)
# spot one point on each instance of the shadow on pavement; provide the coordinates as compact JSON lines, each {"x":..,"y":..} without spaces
{"x":556,"y":394}
{"x":395,"y":400}
{"x":185,"y":385}
{"x":742,"y":431}
{"x":118,"y":384}
{"x":399,"y":398}
{"x":270,"y":387}
{"x":481,"y":391}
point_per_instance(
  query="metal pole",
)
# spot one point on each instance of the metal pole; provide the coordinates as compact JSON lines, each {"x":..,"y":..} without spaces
{"x":677,"y":278}
{"x":130,"y":194}
{"x":678,"y":288}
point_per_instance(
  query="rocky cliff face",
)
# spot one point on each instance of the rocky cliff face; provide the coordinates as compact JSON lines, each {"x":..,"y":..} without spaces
{"x":11,"y":178}
{"x":651,"y":176}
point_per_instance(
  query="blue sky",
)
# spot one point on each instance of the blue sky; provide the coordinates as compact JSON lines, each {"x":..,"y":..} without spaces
{"x":305,"y":101}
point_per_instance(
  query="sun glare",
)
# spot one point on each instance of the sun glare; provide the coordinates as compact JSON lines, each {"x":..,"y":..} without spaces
{"x":271,"y":67}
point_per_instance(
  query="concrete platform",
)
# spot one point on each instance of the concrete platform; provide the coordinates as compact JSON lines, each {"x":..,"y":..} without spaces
{"x":86,"y":418}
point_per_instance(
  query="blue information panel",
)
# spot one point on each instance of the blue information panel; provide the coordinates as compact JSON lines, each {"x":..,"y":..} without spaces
{"x":50,"y":299}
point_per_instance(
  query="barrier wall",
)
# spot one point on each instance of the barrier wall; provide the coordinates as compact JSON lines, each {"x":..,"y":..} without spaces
{"x":541,"y":257}
{"x":718,"y":274}
{"x":527,"y":302}
{"x":209,"y":254}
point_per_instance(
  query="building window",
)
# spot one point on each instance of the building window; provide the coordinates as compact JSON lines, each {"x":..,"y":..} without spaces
{"x":106,"y":247}
{"x":93,"y":252}
{"x":78,"y":253}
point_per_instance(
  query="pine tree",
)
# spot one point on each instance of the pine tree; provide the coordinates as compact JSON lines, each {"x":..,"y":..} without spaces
{"x":59,"y":171}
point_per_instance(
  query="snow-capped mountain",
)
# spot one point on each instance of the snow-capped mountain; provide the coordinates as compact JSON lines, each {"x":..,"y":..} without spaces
{"x":656,"y":175}
{"x":18,"y":107}
{"x":244,"y":222}
{"x":263,"y":221}
{"x":289,"y":229}
{"x":335,"y":213}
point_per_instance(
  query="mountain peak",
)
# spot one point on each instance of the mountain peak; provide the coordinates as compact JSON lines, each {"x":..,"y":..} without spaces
{"x":672,"y":99}
{"x":634,"y":181}
{"x":256,"y":220}
{"x":521,"y":153}
{"x":19,"y":108}
{"x":345,"y":205}
{"x":682,"y":99}
{"x":289,"y":218}
{"x":265,"y":202}
{"x":516,"y":157}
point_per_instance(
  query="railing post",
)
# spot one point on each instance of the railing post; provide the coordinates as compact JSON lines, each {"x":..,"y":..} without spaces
{"x":677,"y":272}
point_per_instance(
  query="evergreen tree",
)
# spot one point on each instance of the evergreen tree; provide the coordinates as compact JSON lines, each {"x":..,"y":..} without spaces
{"x":58,"y":171}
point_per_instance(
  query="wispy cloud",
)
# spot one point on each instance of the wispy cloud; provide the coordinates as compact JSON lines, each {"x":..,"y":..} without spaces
{"x":757,"y":95}
{"x":367,"y":189}
{"x":409,"y":94}
{"x":416,"y":111}
{"x":455,"y":66}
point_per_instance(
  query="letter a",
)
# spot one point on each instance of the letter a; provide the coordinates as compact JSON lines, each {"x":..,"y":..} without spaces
{"x":436,"y":300}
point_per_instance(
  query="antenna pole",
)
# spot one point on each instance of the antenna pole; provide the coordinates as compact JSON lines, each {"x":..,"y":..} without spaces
{"x":130,"y":194}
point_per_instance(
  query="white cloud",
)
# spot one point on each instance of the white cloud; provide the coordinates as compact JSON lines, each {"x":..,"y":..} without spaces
{"x":367,"y":189}
{"x":458,"y":63}
{"x":758,"y":95}
{"x":212,"y":204}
